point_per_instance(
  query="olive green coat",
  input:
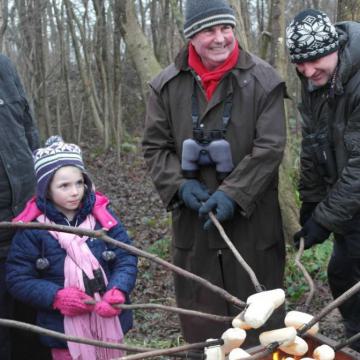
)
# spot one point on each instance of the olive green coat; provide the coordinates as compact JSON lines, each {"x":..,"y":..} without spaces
{"x":256,"y":134}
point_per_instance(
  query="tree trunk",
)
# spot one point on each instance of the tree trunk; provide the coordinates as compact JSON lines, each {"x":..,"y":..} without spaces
{"x":240,"y":29}
{"x":137,"y":45}
{"x":40,"y":61}
{"x":102,"y":60}
{"x":4,"y":15}
{"x":348,"y":10}
{"x":176,"y":8}
{"x":117,"y":105}
{"x":288,"y":205}
{"x":72,"y":134}
{"x":86,"y":81}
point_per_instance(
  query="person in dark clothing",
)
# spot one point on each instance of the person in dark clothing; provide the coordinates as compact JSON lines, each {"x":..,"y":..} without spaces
{"x":327,"y":60}
{"x":18,"y":137}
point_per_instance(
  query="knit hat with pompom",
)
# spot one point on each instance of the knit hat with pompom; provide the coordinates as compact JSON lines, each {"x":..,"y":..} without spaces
{"x":53,"y":156}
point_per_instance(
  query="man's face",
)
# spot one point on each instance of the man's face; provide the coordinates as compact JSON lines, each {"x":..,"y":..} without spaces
{"x":319,"y":71}
{"x":214,"y":45}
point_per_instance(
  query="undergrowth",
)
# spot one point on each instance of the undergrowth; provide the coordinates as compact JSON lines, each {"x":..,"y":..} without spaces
{"x":315,"y":261}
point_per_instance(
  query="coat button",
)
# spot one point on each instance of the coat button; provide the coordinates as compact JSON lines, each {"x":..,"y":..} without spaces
{"x":1,"y":102}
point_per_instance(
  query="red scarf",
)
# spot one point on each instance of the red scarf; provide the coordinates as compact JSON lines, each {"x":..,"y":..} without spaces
{"x":211,"y":79}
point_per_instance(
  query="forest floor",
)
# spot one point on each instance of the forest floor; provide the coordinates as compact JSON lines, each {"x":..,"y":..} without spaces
{"x":138,"y":205}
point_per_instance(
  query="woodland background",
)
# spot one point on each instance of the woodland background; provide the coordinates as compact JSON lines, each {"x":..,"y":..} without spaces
{"x":85,"y":65}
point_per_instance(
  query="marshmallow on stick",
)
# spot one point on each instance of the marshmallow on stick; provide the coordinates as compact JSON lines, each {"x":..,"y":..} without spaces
{"x":297,"y":319}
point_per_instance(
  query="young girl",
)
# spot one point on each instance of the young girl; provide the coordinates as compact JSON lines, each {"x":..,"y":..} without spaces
{"x":58,"y":272}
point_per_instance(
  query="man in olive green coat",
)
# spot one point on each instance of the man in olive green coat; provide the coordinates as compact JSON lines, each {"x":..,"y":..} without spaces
{"x":223,"y":101}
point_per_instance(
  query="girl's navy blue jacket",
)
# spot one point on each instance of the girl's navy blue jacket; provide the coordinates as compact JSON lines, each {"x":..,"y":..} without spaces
{"x":38,"y":287}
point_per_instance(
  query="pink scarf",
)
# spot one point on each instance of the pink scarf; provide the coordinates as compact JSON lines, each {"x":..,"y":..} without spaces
{"x":80,"y":259}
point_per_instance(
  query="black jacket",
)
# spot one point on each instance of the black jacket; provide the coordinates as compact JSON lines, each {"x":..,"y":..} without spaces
{"x":337,"y":115}
{"x":18,"y":137}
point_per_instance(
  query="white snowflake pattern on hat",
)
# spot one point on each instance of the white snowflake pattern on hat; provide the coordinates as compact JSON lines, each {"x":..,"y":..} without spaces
{"x":311,"y":35}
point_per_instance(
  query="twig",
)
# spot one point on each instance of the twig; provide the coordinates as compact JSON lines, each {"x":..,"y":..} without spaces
{"x":236,"y":253}
{"x":171,"y":309}
{"x":173,"y":350}
{"x":58,"y":335}
{"x":306,"y":275}
{"x":347,"y":342}
{"x":336,"y":303}
{"x":132,"y":249}
{"x":268,"y":350}
{"x":42,"y":331}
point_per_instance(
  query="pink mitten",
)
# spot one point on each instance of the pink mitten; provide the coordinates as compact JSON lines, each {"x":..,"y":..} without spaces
{"x":70,"y":301}
{"x":104,"y":309}
{"x":114,"y":296}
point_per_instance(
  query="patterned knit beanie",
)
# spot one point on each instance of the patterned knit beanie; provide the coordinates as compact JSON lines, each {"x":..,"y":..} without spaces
{"x":310,"y":36}
{"x":201,"y":14}
{"x":52,"y":157}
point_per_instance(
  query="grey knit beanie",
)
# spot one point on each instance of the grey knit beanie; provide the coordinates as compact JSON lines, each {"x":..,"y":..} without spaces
{"x":310,"y":36}
{"x":201,"y":14}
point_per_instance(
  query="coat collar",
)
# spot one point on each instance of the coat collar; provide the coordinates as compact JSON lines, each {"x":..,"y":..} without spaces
{"x":244,"y":62}
{"x":47,"y":207}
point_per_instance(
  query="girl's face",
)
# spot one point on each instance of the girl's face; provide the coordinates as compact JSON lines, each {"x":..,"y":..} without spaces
{"x":67,"y":189}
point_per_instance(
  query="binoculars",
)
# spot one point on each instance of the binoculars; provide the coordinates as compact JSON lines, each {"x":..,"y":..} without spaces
{"x":97,"y":284}
{"x":207,"y":148}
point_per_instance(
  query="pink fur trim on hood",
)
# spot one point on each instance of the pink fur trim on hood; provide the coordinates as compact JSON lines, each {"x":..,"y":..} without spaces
{"x":30,"y":213}
{"x":100,"y":212}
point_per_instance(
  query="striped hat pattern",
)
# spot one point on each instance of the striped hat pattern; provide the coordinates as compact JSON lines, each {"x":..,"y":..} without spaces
{"x":53,"y":156}
{"x":201,"y":14}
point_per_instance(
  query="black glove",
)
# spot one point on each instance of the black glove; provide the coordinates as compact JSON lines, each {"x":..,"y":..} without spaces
{"x":222,"y":205}
{"x":193,"y":193}
{"x":313,"y":233}
{"x":306,"y":211}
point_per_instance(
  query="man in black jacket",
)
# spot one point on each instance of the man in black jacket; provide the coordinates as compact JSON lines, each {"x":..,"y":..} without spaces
{"x":327,"y":60}
{"x":18,"y":137}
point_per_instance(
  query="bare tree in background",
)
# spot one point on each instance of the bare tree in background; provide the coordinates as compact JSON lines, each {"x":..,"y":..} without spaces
{"x":241,"y":31}
{"x":137,"y":45}
{"x":348,"y":10}
{"x":3,"y":21}
{"x":86,"y":63}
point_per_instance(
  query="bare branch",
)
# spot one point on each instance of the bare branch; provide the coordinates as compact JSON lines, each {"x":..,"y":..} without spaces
{"x":173,"y":350}
{"x":132,"y":249}
{"x":306,"y":275}
{"x":347,"y":342}
{"x":171,"y":309}
{"x":342,"y":298}
{"x":42,"y":331}
{"x":237,"y":255}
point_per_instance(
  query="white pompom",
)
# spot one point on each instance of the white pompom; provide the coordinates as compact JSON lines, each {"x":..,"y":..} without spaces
{"x":54,"y":140}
